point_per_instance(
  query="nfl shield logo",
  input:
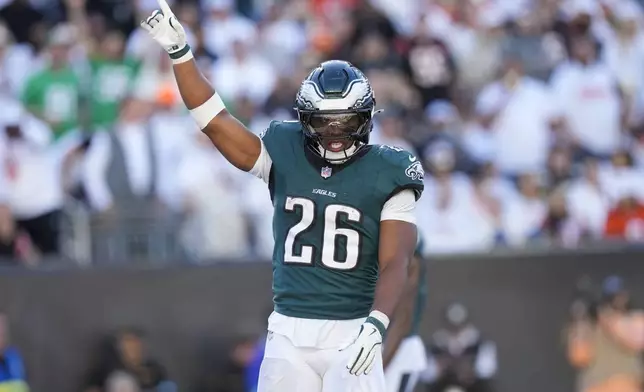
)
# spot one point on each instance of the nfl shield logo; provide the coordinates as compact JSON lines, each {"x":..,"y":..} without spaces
{"x":325,"y":172}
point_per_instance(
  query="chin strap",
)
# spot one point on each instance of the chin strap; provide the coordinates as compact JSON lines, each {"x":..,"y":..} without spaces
{"x":337,"y":158}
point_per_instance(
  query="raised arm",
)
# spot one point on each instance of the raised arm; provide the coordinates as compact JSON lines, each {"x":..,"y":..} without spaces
{"x":239,"y":146}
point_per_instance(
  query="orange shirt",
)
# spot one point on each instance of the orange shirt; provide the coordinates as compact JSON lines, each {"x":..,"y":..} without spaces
{"x":619,"y":220}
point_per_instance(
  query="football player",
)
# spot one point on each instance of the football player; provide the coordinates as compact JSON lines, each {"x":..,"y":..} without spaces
{"x":344,"y":224}
{"x":404,"y":355}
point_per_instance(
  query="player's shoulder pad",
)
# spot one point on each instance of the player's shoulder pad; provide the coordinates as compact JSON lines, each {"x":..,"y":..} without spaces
{"x":405,"y":167}
{"x":280,"y":129}
{"x":280,"y":134}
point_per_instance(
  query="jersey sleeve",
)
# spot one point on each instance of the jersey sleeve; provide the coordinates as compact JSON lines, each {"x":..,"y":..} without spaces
{"x":279,"y":141}
{"x":262,"y":168}
{"x":401,"y":206}
{"x":270,"y":139}
{"x":404,"y":171}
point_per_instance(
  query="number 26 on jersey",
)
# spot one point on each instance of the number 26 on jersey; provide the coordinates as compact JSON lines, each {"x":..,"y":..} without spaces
{"x":306,"y":209}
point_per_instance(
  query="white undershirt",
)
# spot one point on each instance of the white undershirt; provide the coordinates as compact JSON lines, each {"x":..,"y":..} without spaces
{"x":400,"y":207}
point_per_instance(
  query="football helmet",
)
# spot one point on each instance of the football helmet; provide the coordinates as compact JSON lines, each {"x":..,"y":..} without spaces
{"x":335,"y":105}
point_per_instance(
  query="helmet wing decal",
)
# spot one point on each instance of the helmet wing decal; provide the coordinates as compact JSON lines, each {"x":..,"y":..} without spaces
{"x":311,"y":98}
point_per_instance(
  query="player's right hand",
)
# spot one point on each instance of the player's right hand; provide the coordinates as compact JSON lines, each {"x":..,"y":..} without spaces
{"x":165,"y":29}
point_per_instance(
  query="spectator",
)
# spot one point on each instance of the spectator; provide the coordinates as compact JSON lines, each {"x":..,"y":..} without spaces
{"x":478,"y":137}
{"x":558,"y":227}
{"x":389,"y":129}
{"x":607,"y":351}
{"x":120,"y":164}
{"x":223,"y":27}
{"x":587,"y":201}
{"x":521,"y":112}
{"x":621,"y":175}
{"x":53,"y":93}
{"x":23,"y":20}
{"x":15,"y":64}
{"x":449,"y":219}
{"x":34,"y":170}
{"x":541,"y":50}
{"x":624,"y":51}
{"x":444,"y":125}
{"x":112,"y":75}
{"x":524,"y":214}
{"x":126,"y":356}
{"x":473,"y":33}
{"x":488,"y":196}
{"x":626,"y":220}
{"x":211,"y":230}
{"x":578,"y":19}
{"x":12,"y":369}
{"x":282,"y":36}
{"x":243,"y":73}
{"x":373,"y":51}
{"x":431,"y":68}
{"x":586,"y":85}
{"x":121,"y":382}
{"x":120,"y":177}
{"x":120,"y":13}
{"x":460,"y":358}
{"x":559,"y":167}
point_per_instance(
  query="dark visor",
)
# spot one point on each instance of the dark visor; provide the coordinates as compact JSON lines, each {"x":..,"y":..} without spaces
{"x":333,"y":124}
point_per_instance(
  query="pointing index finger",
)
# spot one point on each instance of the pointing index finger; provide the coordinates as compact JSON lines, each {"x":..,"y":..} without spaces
{"x":165,"y":8}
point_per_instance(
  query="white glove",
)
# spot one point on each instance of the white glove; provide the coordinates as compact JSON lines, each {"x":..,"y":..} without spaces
{"x":164,"y":28}
{"x":368,"y":344}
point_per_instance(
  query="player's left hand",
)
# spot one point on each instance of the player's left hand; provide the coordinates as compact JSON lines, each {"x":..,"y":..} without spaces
{"x":368,"y":344}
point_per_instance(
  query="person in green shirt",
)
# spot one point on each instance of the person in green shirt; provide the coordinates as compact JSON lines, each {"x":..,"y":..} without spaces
{"x":52,"y":94}
{"x":113,"y":76}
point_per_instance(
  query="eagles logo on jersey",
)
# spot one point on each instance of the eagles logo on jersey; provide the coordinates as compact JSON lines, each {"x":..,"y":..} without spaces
{"x":415,"y":171}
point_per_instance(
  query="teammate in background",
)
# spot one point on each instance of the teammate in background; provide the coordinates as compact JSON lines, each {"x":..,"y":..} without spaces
{"x":404,"y":355}
{"x":344,"y":223}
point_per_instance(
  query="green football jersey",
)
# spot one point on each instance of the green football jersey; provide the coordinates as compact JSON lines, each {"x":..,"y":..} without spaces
{"x":326,"y":223}
{"x":54,"y":96}
{"x":112,"y":81}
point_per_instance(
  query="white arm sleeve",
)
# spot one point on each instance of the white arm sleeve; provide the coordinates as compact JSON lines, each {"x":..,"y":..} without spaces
{"x":262,"y":168}
{"x":401,"y":206}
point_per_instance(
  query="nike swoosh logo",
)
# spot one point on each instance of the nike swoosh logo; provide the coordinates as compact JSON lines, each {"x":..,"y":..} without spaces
{"x":412,"y":159}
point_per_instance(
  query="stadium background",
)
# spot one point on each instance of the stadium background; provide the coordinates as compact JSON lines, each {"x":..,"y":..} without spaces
{"x":535,"y":168}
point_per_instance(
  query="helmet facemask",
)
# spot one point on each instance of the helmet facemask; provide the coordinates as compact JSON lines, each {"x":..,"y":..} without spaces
{"x":336,"y":135}
{"x":335,"y":105}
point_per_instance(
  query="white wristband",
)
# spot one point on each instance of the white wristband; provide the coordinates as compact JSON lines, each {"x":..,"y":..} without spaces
{"x":204,"y":114}
{"x":182,"y":55}
{"x":378,"y":315}
{"x":185,"y":58}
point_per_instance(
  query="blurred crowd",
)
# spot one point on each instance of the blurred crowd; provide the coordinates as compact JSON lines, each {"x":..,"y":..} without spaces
{"x":527,"y":114}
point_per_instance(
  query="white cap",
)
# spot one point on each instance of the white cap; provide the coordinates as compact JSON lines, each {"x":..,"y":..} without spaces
{"x":63,"y":34}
